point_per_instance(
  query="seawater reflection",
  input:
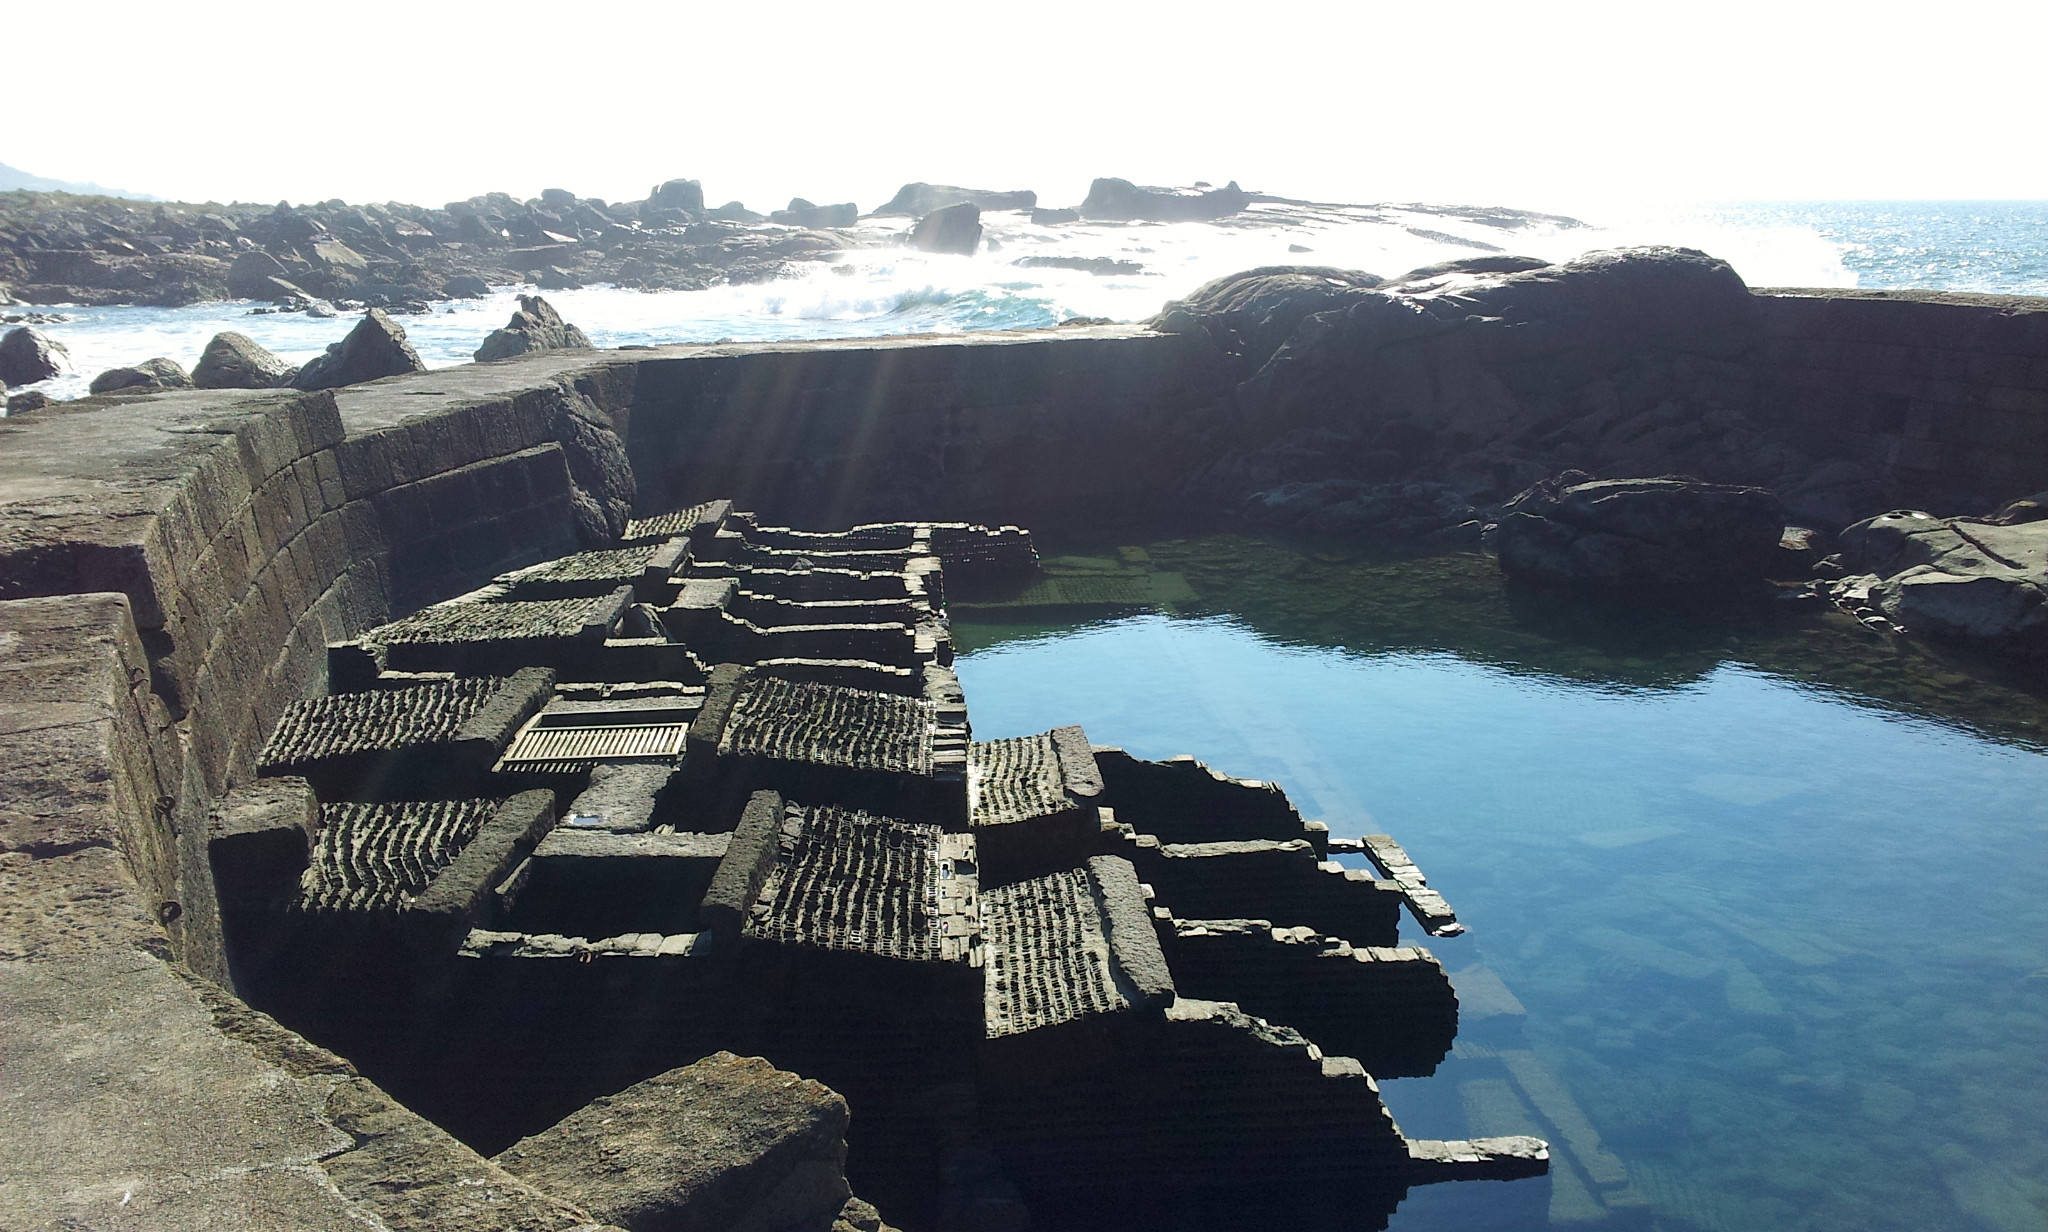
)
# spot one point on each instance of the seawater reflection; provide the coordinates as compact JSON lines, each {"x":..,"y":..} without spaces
{"x":1758,"y":931}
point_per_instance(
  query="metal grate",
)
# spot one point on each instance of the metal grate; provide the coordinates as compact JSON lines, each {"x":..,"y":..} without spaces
{"x":544,"y":744}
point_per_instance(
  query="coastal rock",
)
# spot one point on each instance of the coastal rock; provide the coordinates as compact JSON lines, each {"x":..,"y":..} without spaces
{"x":729,"y":1142}
{"x":686,"y":196}
{"x":148,"y":376}
{"x":28,"y":355}
{"x":465,"y":286}
{"x":536,"y":326}
{"x":1121,"y":200}
{"x":733,"y":211}
{"x":236,"y":361}
{"x":802,"y":213}
{"x":1101,"y":267}
{"x":1054,"y":218}
{"x":916,"y":200}
{"x":1251,"y":313}
{"x":1661,"y":537}
{"x":954,"y":228}
{"x":26,"y":401}
{"x":250,"y":273}
{"x":375,"y":348}
{"x":1966,"y":579}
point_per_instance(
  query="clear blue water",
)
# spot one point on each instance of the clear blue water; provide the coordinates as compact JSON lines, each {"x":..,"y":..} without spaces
{"x":1770,"y":893}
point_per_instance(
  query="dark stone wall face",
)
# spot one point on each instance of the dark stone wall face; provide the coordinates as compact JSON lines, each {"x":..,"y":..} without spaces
{"x":1945,"y":396}
{"x":1047,"y":433}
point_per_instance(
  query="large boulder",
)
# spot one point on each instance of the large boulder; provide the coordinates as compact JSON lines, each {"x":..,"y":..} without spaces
{"x":685,"y":196}
{"x":953,"y":228}
{"x":236,"y":361}
{"x":250,"y":273}
{"x":1121,"y":200}
{"x":536,"y":326}
{"x":1626,"y":362}
{"x":148,"y":376}
{"x":465,"y":286}
{"x":1253,"y":312}
{"x":1964,"y":579}
{"x":802,"y":213}
{"x":375,"y":348}
{"x":1667,"y":537}
{"x":28,"y":355}
{"x":919,"y":199}
{"x":727,"y":1143}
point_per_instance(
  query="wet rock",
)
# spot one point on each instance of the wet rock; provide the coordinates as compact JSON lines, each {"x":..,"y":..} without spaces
{"x":1114,"y":199}
{"x":555,"y":278}
{"x":1054,"y":218}
{"x":536,"y":326}
{"x":28,"y":355}
{"x":465,"y":286}
{"x":148,"y":376}
{"x":728,"y":1142}
{"x":26,"y":401}
{"x":954,"y":228}
{"x":802,"y":213}
{"x":1654,"y":537}
{"x":733,"y":211}
{"x":916,"y":200}
{"x":1101,"y":267}
{"x":375,"y":348}
{"x":236,"y":361}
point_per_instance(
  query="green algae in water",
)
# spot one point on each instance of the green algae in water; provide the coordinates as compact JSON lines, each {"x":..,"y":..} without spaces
{"x":1767,"y":886}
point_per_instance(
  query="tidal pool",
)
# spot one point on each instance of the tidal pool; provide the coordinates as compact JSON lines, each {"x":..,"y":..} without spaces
{"x":1758,"y":903}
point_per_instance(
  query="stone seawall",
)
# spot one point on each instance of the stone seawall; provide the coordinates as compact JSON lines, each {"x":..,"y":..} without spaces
{"x":1050,"y":429}
{"x":1945,"y":394}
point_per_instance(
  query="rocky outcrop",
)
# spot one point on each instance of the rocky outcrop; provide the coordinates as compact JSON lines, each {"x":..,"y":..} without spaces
{"x":236,"y":361}
{"x":26,"y":401}
{"x":465,"y":286}
{"x":386,"y":255}
{"x":1981,"y":581}
{"x":149,"y":376}
{"x":727,"y":1143}
{"x":802,"y":213}
{"x":1634,"y":361}
{"x":916,"y":200}
{"x":28,"y":355}
{"x":536,"y":326}
{"x":1054,"y":218}
{"x":1654,"y":537}
{"x":684,"y":196}
{"x":1251,"y":313}
{"x":1114,"y":200}
{"x":375,"y":348}
{"x":953,"y":228}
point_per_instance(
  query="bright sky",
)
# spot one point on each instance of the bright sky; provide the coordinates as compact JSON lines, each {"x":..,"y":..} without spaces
{"x":1555,"y":103}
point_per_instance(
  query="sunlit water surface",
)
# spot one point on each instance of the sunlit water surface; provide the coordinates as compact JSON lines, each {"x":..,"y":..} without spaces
{"x":1770,"y":890}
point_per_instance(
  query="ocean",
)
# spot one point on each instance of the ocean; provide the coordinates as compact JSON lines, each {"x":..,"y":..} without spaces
{"x":1990,"y":246}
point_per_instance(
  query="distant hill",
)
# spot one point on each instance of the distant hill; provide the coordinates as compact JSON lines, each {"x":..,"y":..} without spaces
{"x":12,"y":178}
